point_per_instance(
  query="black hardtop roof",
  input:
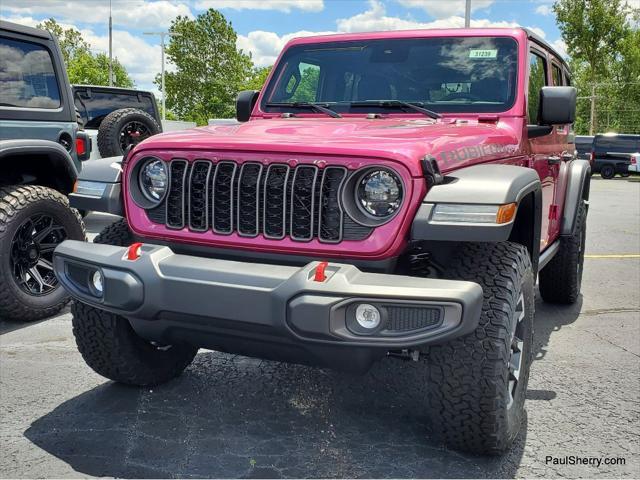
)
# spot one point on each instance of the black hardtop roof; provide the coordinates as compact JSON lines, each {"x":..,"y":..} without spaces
{"x":112,"y":89}
{"x":24,"y":30}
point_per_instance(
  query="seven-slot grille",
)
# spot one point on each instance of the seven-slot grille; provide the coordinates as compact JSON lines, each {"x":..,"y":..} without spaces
{"x":249,"y":199}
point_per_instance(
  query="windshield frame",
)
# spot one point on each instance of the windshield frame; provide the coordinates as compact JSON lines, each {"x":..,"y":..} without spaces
{"x":503,"y":109}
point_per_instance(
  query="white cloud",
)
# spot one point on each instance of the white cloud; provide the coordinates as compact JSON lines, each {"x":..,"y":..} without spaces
{"x":561,"y":47}
{"x":281,"y":5}
{"x":266,"y":46}
{"x":445,"y":8}
{"x":375,"y":19}
{"x":125,"y":13}
{"x":141,"y":59}
{"x":544,"y":10}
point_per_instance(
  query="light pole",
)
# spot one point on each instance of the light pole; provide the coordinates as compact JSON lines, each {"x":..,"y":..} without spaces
{"x":110,"y":47}
{"x":162,"y":37}
{"x":467,"y":14}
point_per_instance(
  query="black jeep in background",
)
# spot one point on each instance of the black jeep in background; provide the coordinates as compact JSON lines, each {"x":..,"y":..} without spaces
{"x":611,"y":153}
{"x":41,"y":152}
{"x":116,"y":117}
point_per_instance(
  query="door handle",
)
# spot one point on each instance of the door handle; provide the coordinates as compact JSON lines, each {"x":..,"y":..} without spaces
{"x":554,"y":160}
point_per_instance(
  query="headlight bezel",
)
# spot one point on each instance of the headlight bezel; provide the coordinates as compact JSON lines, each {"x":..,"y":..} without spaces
{"x":353,"y":206}
{"x":138,"y":193}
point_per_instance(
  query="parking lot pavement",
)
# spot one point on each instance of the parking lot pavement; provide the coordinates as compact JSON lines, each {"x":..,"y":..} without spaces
{"x":230,"y":416}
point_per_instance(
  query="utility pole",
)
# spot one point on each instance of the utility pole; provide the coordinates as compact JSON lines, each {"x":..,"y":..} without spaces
{"x":110,"y":47}
{"x":593,"y":109}
{"x":467,"y":14}
{"x":162,"y":37}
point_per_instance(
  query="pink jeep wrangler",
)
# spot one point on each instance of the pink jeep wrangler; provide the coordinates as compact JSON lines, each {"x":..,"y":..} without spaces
{"x":385,"y":194}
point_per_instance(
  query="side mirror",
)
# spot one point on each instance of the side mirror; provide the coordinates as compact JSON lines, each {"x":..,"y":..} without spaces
{"x":557,"y":105}
{"x":245,"y":103}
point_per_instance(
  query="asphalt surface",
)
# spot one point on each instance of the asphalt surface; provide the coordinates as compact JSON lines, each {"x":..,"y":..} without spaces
{"x":230,"y":416}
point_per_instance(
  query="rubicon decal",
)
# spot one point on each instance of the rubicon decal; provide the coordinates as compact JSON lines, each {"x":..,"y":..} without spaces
{"x":475,"y":151}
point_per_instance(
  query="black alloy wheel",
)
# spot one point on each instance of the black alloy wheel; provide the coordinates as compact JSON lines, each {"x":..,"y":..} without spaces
{"x":32,"y":254}
{"x":132,"y":133}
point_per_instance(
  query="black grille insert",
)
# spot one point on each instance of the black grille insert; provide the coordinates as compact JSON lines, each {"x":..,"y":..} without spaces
{"x":175,"y":196}
{"x":248,"y":199}
{"x":275,"y":194}
{"x":199,"y":195}
{"x":404,"y":318}
{"x":330,"y":214}
{"x":302,"y":202}
{"x":223,"y":186}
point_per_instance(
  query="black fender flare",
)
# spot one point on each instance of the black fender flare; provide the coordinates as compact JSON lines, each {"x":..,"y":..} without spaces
{"x":62,"y":162}
{"x":578,"y":185}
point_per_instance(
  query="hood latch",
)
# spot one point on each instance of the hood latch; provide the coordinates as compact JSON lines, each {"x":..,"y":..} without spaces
{"x":431,"y":171}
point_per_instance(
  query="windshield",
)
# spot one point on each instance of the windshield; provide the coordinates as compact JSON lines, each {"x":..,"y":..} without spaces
{"x":461,"y":74}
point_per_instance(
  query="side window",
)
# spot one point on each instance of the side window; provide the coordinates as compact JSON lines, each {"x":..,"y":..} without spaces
{"x":307,"y":90}
{"x":537,"y":80}
{"x":557,"y":75}
{"x":27,"y":76}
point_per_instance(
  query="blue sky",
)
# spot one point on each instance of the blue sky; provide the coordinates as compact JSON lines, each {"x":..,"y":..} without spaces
{"x":264,"y":26}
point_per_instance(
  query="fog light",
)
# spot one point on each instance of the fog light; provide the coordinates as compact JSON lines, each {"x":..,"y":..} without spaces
{"x":367,"y":316}
{"x":97,"y":281}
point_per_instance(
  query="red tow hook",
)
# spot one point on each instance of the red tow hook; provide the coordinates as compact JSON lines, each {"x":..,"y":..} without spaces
{"x":133,"y":252}
{"x":320,"y":275}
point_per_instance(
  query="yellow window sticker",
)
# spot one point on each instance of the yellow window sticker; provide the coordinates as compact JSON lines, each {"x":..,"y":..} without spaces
{"x":483,"y":54}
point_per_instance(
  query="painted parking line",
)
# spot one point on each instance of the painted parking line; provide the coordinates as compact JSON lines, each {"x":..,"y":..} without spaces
{"x":622,"y":255}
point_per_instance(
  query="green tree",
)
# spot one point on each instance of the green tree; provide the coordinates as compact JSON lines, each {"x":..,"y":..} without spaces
{"x":88,"y":69}
{"x":603,"y":45}
{"x":258,"y":77}
{"x":84,"y":67}
{"x":308,"y":86}
{"x":209,"y":68}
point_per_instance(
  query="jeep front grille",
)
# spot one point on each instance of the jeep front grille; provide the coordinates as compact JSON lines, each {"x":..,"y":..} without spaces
{"x":249,"y":199}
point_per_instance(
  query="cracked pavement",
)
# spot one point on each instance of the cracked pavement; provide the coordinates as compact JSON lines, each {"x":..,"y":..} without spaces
{"x":231,"y":416}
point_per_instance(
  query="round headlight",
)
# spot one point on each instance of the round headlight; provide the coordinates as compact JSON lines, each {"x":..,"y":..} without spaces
{"x":379,"y":193}
{"x":154,"y":180}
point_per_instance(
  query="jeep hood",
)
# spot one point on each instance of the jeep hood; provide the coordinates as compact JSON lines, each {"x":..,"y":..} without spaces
{"x":453,"y":143}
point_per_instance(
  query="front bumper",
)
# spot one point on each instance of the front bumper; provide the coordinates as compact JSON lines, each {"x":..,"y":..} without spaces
{"x":270,"y":311}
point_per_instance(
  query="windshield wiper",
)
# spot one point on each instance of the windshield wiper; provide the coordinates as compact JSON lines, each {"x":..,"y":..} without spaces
{"x":315,"y":106}
{"x":417,"y":106}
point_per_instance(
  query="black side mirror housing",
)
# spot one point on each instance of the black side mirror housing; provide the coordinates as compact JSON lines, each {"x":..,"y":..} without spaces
{"x":557,"y":105}
{"x":244,"y":104}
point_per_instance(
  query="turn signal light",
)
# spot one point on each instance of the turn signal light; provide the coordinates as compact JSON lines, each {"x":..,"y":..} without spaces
{"x":506,"y":213}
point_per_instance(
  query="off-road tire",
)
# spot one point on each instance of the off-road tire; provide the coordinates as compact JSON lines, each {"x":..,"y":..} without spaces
{"x":17,"y":204}
{"x":110,"y":346}
{"x":109,"y":130}
{"x":560,"y":280}
{"x":469,"y":376}
{"x":607,"y":171}
{"x":117,"y":233}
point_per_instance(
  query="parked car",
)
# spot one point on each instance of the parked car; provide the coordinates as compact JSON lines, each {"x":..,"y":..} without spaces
{"x":41,"y":149}
{"x":584,"y":145}
{"x":116,"y":118}
{"x":390,"y":194}
{"x":611,"y":153}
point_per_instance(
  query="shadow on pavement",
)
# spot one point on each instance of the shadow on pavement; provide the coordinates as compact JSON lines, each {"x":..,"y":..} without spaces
{"x":7,"y":326}
{"x":551,"y":318}
{"x":232,"y":416}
